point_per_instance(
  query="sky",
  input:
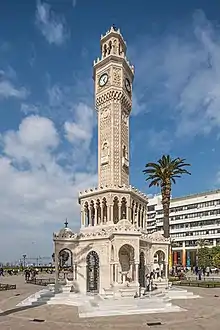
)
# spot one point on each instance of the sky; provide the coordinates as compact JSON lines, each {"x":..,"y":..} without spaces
{"x":48,"y":126}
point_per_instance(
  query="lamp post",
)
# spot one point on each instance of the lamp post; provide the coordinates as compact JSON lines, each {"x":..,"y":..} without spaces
{"x":24,"y":259}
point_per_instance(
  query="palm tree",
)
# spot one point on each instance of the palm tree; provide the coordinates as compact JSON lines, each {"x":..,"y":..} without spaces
{"x":163,"y":174}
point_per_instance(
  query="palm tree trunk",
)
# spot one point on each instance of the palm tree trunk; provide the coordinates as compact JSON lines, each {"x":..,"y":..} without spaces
{"x":166,"y":190}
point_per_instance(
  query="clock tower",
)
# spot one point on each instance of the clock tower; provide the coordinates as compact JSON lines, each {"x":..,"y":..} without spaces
{"x":113,"y":77}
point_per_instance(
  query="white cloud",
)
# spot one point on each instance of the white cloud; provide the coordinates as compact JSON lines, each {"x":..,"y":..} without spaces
{"x":179,"y":75}
{"x":81,"y":129}
{"x":7,"y":90}
{"x":52,"y":26}
{"x":29,"y":108}
{"x":36,"y":193}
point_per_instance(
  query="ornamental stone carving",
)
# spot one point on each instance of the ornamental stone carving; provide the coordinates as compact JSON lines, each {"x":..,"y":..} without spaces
{"x":158,"y":237}
{"x":116,"y":76}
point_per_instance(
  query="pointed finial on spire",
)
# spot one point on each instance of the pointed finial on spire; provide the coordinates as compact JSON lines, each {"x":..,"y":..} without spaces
{"x":114,"y":27}
{"x":66,"y":223}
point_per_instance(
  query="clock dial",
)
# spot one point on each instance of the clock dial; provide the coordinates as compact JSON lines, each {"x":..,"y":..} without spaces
{"x":103,"y":80}
{"x":127,"y":85}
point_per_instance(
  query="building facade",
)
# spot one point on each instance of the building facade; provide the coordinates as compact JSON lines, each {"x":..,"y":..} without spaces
{"x":112,"y":252}
{"x":193,"y":219}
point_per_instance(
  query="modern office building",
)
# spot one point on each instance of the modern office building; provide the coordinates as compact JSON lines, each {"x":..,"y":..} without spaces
{"x":193,"y":219}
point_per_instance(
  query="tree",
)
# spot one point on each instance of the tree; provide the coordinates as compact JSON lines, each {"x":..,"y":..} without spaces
{"x":216,"y":260}
{"x":204,"y":257}
{"x":215,"y":255}
{"x":202,"y":243}
{"x":164,"y":173}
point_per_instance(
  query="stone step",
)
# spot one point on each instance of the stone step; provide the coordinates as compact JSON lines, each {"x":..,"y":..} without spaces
{"x":134,"y":310}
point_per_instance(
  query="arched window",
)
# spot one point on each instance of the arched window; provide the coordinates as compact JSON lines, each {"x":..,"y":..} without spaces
{"x":92,"y":211}
{"x":123,"y":208}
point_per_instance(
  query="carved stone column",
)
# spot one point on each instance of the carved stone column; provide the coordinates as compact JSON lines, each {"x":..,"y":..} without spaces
{"x":56,"y":288}
{"x":136,"y":271}
{"x":90,"y":217}
{"x":96,"y":216}
{"x":119,"y":211}
{"x":109,"y":211}
{"x":117,"y":275}
{"x":101,"y":220}
{"x":83,"y":217}
{"x":129,"y":213}
{"x":166,"y":269}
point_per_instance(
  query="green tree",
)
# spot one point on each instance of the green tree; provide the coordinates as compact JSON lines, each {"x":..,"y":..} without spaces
{"x":204,"y":257}
{"x":216,"y":260}
{"x":215,"y":253}
{"x":164,"y":173}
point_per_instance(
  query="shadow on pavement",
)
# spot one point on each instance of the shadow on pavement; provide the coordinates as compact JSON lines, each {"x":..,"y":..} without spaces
{"x":20,"y":309}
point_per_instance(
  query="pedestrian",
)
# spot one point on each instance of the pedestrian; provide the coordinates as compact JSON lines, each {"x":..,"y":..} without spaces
{"x":200,"y":274}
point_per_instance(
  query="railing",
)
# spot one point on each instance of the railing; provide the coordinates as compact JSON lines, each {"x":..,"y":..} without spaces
{"x":41,"y":281}
{"x":4,"y":287}
{"x":204,"y":278}
{"x":203,"y":284}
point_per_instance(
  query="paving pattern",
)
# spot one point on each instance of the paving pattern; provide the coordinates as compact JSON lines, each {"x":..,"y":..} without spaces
{"x":200,"y":313}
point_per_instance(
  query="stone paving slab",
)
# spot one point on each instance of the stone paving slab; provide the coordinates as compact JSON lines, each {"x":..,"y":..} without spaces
{"x":201,"y":314}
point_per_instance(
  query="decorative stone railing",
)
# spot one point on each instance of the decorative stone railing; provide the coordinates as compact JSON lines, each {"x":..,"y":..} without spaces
{"x":91,"y":191}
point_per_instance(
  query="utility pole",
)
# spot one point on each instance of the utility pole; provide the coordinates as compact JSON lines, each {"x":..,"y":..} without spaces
{"x":24,"y":258}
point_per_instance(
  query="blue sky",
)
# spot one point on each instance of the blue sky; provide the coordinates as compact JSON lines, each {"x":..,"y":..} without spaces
{"x":48,"y":125}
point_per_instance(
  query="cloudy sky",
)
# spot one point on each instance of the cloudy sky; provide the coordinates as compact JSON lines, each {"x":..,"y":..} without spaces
{"x":48,"y":124}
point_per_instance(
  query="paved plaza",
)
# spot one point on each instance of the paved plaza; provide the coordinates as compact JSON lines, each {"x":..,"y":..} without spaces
{"x":201,"y":313}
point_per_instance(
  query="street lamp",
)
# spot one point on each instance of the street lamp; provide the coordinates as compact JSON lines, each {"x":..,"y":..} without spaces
{"x":24,"y":258}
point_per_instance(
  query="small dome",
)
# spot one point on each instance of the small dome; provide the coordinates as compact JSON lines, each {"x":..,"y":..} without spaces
{"x":65,"y":231}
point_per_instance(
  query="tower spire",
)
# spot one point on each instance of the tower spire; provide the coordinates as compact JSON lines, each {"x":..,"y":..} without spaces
{"x":113,"y":77}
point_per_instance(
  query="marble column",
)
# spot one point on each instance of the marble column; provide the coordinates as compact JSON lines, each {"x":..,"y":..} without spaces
{"x":166,"y":269}
{"x":116,"y":272}
{"x":96,"y":217}
{"x":102,"y":221}
{"x":56,"y":288}
{"x":128,"y":216}
{"x":109,"y":212}
{"x":83,"y":218}
{"x":136,"y":272}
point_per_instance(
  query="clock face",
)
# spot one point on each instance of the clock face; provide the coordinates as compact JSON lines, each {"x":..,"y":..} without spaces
{"x":103,"y":80}
{"x":127,"y":85}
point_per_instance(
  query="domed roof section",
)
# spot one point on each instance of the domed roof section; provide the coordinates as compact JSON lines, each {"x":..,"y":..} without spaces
{"x":65,"y":231}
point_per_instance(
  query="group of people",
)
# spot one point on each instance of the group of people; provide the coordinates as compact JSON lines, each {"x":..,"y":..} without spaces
{"x":30,"y":274}
{"x":149,"y":281}
{"x":8,"y":271}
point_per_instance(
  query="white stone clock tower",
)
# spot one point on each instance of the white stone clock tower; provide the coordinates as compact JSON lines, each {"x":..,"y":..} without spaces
{"x":113,"y":76}
{"x":112,"y":253}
